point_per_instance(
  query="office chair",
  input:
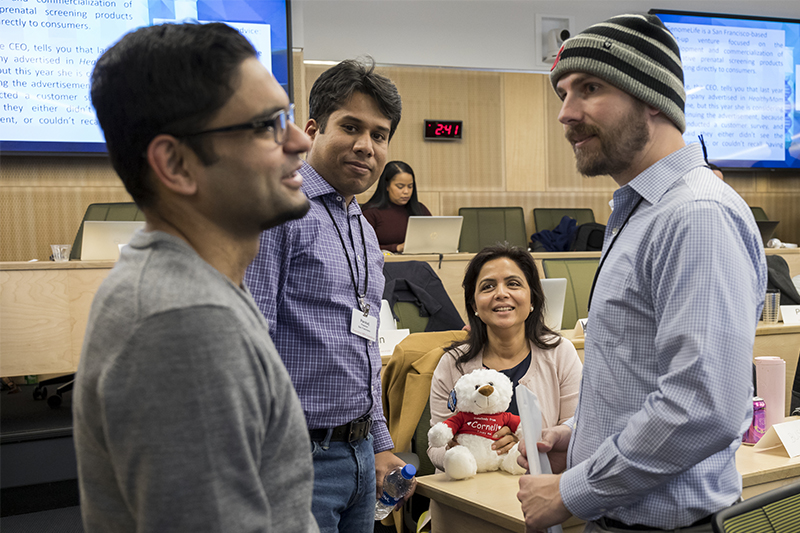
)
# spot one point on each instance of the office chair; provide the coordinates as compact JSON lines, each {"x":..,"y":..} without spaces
{"x":418,"y":298}
{"x":547,"y":218}
{"x":775,"y":511}
{"x":759,"y":213}
{"x":579,"y":274}
{"x":120,"y":211}
{"x":55,"y":400}
{"x":485,"y":226}
{"x":406,"y":385}
{"x":408,"y":317}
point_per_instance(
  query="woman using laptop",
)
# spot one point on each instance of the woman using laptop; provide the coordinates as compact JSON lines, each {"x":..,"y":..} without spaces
{"x":505,"y":304}
{"x":394,"y":201}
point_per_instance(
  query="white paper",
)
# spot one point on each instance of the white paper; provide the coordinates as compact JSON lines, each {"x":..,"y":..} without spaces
{"x":530,"y":413}
{"x":389,"y":338}
{"x":791,"y":314}
{"x":785,"y":434}
{"x":387,"y":319}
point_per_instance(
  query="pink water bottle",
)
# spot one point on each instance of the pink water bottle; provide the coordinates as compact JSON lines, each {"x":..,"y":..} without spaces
{"x":771,"y":381}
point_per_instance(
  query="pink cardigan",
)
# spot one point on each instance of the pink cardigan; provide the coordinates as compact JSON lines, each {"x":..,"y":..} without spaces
{"x":554,"y":376}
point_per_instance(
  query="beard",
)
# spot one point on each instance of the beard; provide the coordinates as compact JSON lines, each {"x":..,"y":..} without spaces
{"x":618,"y":144}
{"x":285,"y":213}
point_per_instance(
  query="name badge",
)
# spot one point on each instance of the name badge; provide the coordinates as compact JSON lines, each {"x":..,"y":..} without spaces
{"x":364,"y":326}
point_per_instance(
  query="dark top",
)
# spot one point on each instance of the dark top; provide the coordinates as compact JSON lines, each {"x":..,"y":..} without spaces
{"x":390,"y":224}
{"x":515,"y":374}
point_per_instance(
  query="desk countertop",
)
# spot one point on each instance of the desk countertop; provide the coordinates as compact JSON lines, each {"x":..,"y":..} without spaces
{"x":492,"y":496}
{"x":52,"y":265}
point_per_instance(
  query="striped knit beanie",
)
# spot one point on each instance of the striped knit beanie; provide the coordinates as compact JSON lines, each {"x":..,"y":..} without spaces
{"x":635,"y":53}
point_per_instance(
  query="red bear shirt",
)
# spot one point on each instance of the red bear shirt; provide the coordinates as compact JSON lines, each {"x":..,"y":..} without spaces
{"x":482,"y":425}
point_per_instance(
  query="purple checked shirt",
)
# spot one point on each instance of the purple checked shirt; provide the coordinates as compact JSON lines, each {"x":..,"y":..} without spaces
{"x":301,"y":282}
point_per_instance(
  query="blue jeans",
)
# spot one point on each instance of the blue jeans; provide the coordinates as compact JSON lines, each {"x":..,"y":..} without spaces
{"x":344,"y":486}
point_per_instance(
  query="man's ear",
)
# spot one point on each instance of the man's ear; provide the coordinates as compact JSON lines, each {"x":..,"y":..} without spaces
{"x":311,"y":128}
{"x":172,"y":163}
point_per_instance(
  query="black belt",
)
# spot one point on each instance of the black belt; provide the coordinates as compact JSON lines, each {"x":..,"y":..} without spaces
{"x":356,"y":430}
{"x":616,"y":524}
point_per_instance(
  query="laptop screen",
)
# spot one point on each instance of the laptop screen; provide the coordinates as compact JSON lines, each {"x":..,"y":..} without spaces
{"x":555,"y":290}
{"x":101,"y":239}
{"x":433,"y":235}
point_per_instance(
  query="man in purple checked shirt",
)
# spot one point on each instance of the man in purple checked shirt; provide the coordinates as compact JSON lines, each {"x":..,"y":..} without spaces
{"x":319,"y":282}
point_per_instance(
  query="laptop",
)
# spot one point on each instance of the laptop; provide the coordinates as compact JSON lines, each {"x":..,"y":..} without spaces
{"x":767,"y":229}
{"x":432,"y":235}
{"x":102,"y":238}
{"x":555,"y":291}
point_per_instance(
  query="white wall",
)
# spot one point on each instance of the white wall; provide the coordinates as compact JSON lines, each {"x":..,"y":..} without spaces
{"x":491,"y":34}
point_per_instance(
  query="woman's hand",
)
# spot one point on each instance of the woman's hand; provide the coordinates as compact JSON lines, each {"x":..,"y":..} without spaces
{"x":400,"y":247}
{"x":505,"y":440}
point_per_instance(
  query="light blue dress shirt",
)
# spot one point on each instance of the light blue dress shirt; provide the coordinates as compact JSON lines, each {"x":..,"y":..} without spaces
{"x":301,"y":282}
{"x":667,"y":378}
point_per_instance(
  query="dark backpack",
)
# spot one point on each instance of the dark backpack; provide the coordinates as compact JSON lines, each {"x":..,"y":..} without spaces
{"x":589,"y":237}
{"x":778,"y":277}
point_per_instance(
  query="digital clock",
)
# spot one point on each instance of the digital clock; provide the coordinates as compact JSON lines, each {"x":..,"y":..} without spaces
{"x":443,"y":129}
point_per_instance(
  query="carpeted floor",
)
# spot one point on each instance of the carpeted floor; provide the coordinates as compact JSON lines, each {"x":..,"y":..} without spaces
{"x":64,"y":520}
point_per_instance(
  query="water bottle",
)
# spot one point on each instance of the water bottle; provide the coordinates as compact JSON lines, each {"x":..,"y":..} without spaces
{"x":396,"y":485}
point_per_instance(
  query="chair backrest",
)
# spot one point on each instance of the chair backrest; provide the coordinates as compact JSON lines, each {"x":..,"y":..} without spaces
{"x":759,"y":213}
{"x":416,"y":294}
{"x":579,"y":274}
{"x":406,"y":383}
{"x":485,"y":226}
{"x":419,"y":442}
{"x":121,"y":211}
{"x":774,"y":511}
{"x":408,"y":317}
{"x":547,"y":218}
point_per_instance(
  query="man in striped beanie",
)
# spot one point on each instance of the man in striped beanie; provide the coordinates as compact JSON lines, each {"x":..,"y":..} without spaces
{"x":667,"y":390}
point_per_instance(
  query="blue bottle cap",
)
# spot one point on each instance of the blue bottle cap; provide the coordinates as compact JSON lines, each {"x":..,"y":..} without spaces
{"x":409,"y":471}
{"x":452,"y":401}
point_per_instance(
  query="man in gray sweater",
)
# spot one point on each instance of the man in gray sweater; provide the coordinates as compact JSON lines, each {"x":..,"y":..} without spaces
{"x":185,"y":418}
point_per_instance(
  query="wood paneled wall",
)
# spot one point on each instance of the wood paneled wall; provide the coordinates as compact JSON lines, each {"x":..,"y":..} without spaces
{"x":513,"y":153}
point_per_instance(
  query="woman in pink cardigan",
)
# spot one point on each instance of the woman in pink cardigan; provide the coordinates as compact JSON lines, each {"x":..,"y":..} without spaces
{"x":505,"y":303}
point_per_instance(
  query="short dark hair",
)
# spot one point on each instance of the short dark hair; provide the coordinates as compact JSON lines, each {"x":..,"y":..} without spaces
{"x":336,"y":85}
{"x":380,"y":199}
{"x":535,"y":328}
{"x":169,"y":78}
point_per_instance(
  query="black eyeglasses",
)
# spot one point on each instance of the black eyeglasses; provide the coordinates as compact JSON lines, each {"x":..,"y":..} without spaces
{"x":278,"y":122}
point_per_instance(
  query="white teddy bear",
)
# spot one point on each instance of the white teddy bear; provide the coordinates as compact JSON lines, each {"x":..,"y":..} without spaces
{"x":481,"y":399}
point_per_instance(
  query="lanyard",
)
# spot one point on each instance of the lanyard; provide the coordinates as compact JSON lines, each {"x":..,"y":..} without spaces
{"x":363,"y":305}
{"x":603,"y":260}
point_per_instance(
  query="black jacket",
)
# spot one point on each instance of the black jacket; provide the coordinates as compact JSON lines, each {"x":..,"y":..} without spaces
{"x":415,"y":281}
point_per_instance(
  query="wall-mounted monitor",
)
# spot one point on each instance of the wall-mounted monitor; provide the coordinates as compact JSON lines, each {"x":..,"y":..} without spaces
{"x":740,"y":74}
{"x":48,"y":49}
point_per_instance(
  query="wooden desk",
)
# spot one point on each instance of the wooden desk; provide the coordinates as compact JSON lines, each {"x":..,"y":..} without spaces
{"x":450,"y":267}
{"x":779,"y":340}
{"x":488,"y":502}
{"x":782,"y":341}
{"x":44,"y":307}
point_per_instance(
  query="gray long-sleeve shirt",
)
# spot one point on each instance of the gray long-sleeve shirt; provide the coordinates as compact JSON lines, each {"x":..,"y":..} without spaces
{"x":185,"y":418}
